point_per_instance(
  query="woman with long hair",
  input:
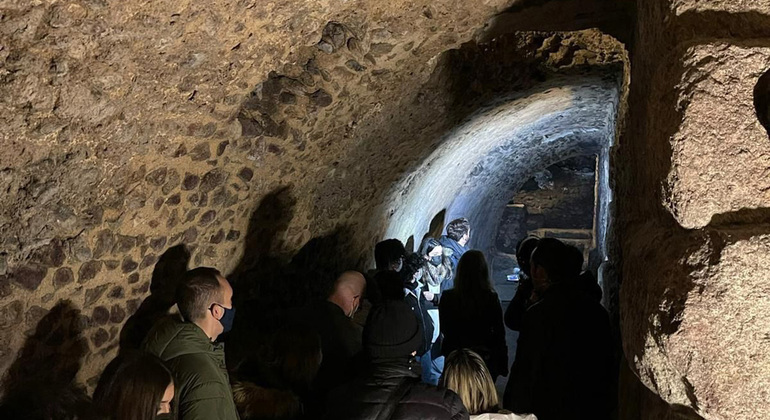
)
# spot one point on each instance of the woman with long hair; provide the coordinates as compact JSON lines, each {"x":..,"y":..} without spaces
{"x":135,"y":386}
{"x":471,"y":316}
{"x":467,"y":375}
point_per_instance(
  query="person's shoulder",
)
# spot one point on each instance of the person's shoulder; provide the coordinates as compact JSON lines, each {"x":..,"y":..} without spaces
{"x":197,"y":368}
{"x":426,"y":393}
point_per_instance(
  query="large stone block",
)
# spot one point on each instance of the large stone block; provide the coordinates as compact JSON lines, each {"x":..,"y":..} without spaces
{"x":693,"y":313}
{"x":720,"y":153}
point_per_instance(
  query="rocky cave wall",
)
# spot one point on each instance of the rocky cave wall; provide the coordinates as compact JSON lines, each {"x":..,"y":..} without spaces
{"x":692,"y":196}
{"x":559,"y":197}
{"x":244,"y":130}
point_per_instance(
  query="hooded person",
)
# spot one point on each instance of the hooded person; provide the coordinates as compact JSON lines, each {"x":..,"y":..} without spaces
{"x":390,"y":387}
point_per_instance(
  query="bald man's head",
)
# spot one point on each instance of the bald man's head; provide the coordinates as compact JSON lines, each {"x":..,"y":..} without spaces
{"x":347,"y":291}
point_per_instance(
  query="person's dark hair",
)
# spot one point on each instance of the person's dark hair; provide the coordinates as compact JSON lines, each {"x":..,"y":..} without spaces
{"x":574,"y":262}
{"x":198,"y":289}
{"x":554,"y":257}
{"x":427,"y":246}
{"x":412,"y":264}
{"x":390,"y":284}
{"x":457,"y":228}
{"x":524,"y":253}
{"x":132,"y":387}
{"x":472,"y":274}
{"x":388,"y":252}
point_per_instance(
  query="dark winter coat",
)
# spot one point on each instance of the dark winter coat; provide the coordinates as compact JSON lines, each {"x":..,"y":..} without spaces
{"x":476,"y":324}
{"x":198,"y":365}
{"x":564,"y":360}
{"x":514,"y":314}
{"x":340,"y":346}
{"x":365,"y":397}
{"x":416,"y":300}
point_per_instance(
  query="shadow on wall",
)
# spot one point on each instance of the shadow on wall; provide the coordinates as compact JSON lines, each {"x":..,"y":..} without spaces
{"x":166,"y":275}
{"x":269,"y":286}
{"x":436,"y":228}
{"x":40,"y":384}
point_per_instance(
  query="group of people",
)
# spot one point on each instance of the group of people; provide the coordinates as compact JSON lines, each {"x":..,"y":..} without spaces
{"x":431,"y":347}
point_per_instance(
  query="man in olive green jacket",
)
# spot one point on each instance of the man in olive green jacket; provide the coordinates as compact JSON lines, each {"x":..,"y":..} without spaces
{"x":188,"y":349}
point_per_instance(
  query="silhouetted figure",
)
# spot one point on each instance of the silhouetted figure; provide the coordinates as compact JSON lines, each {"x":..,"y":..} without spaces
{"x":188,"y":348}
{"x":134,"y":386}
{"x":563,"y":367}
{"x":416,"y":296}
{"x":274,"y":383}
{"x":168,"y":272}
{"x":340,"y":337}
{"x":522,"y":299}
{"x":40,"y":384}
{"x":471,"y":315}
{"x":390,"y":387}
{"x":388,"y":256}
{"x":584,"y":280}
{"x":458,"y":233}
{"x":466,"y":374}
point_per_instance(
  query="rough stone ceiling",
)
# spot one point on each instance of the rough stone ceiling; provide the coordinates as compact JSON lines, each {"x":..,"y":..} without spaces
{"x":483,"y":161}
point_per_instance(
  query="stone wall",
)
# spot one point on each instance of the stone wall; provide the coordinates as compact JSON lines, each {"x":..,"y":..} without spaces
{"x":255,"y":133}
{"x":129,"y":128}
{"x":252,"y":133}
{"x":692,"y":197}
{"x":559,"y":197}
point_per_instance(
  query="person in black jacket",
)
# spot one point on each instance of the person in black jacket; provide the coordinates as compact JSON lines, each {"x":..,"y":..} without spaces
{"x":403,"y":286}
{"x":564,"y":361}
{"x":340,"y":337}
{"x":521,"y":300}
{"x":416,"y":296}
{"x":471,"y":315}
{"x":391,"y":386}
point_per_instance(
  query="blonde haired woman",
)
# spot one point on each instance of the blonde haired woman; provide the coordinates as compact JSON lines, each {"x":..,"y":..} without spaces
{"x":467,"y":375}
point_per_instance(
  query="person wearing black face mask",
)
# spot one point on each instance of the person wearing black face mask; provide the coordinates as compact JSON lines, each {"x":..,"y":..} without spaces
{"x":189,"y":348}
{"x":437,"y":267}
{"x":415,"y":296}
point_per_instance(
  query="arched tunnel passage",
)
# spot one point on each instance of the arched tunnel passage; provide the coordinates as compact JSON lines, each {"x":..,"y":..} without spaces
{"x":485,"y":160}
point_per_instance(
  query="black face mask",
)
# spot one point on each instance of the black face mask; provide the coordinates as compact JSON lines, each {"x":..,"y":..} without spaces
{"x":436,"y":260}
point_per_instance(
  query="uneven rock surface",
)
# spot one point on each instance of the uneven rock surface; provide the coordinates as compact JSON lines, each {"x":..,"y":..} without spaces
{"x":691,"y":172}
{"x":256,"y":133}
{"x":131,"y":127}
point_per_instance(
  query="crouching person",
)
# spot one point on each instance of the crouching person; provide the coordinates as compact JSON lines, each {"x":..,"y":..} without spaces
{"x":390,"y":387}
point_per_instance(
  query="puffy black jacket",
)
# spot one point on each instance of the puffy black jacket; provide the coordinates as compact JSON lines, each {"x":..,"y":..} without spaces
{"x":416,"y":300}
{"x":364,"y":398}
